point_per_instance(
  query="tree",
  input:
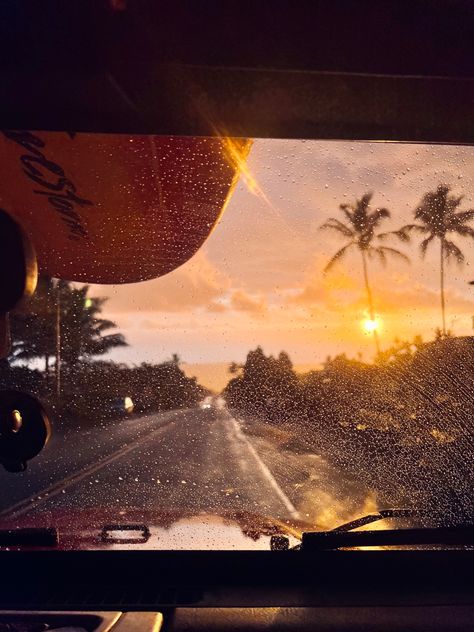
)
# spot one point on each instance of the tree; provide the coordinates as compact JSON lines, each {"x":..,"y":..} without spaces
{"x":285,"y":363}
{"x":401,"y":352}
{"x":82,"y":333}
{"x":360,"y":231}
{"x":264,"y":386}
{"x":235,"y":368}
{"x":33,"y":326}
{"x":437,"y":218}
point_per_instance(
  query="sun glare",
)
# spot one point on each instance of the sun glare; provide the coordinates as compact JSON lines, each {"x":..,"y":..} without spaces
{"x":237,"y":153}
{"x":370,"y":325}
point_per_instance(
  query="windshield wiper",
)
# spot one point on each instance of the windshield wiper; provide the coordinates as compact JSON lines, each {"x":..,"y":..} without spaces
{"x":448,"y":536}
{"x":344,"y":536}
{"x":383,"y":514}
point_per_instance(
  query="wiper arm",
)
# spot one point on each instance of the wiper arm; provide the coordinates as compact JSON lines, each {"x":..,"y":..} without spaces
{"x":383,"y":514}
{"x":327,"y":540}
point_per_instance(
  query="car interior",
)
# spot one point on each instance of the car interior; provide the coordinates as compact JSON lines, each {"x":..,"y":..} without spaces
{"x":147,"y":483}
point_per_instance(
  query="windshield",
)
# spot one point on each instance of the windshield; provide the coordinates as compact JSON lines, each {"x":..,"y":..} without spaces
{"x":313,"y":361}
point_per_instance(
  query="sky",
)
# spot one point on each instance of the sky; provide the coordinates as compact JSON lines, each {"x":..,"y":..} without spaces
{"x":258,"y":279}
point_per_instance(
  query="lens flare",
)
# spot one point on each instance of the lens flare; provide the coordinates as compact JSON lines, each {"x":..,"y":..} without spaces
{"x":237,"y":154}
{"x":370,"y":325}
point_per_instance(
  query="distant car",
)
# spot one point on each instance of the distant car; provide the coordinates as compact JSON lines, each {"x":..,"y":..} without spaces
{"x":122,"y":406}
{"x":206,"y":403}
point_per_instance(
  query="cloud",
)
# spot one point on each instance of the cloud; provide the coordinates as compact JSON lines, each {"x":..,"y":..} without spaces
{"x":329,"y":290}
{"x":311,"y":294}
{"x":216,"y":307}
{"x":242,"y":302}
{"x":421,"y":297}
{"x":197,"y":284}
{"x":395,"y":293}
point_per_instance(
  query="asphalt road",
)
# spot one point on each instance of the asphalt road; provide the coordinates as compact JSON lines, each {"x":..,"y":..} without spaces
{"x":193,"y":459}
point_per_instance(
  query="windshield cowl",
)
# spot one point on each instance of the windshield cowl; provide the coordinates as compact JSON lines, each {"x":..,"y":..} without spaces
{"x":165,"y":530}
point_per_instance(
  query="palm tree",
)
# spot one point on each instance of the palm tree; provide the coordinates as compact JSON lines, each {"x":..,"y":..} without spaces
{"x":437,"y":218}
{"x":84,"y":333}
{"x":360,"y":231}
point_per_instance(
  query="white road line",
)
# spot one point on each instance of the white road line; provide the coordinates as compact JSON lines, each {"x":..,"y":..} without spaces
{"x":25,"y":505}
{"x":294,"y":513}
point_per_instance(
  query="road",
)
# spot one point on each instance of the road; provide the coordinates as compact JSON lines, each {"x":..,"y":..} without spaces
{"x":195,"y":459}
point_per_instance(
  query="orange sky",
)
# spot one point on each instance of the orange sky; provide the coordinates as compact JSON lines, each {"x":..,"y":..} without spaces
{"x":258,"y":279}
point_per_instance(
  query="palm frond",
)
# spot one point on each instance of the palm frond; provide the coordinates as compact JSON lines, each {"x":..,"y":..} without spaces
{"x":348,"y":211}
{"x":451,"y":250}
{"x":334,"y":224}
{"x":378,"y":215}
{"x":102,"y":324}
{"x":102,"y":345}
{"x":437,"y":209}
{"x":361,"y":221}
{"x":452,"y":202}
{"x":364,"y":201}
{"x":425,"y":243}
{"x":457,"y":219}
{"x":403,"y":233}
{"x":394,"y":253}
{"x":379,"y":253}
{"x":463,"y":231}
{"x":339,"y":254}
{"x":442,"y":191}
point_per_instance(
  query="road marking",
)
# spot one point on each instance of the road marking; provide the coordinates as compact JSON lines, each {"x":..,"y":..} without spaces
{"x":25,"y":505}
{"x":294,"y":513}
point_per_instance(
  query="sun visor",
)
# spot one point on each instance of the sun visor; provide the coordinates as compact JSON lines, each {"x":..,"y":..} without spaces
{"x":104,"y":208}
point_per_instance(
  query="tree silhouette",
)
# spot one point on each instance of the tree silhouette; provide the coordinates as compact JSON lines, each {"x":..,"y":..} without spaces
{"x":33,"y":326}
{"x":235,"y":368}
{"x":83,"y":332}
{"x":264,"y":385}
{"x":175,"y":359}
{"x":437,"y":218}
{"x":360,"y":231}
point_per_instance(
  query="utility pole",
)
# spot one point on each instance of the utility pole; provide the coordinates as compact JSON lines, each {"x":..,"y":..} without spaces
{"x":58,"y":341}
{"x":472,"y":283}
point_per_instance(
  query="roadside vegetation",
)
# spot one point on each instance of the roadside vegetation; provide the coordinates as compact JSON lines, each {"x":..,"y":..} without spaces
{"x":404,"y":424}
{"x":59,"y":340}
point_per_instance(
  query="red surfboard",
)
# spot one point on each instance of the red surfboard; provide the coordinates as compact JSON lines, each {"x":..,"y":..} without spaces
{"x":104,"y":208}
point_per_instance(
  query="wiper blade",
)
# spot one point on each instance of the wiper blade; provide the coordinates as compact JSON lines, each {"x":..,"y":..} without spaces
{"x":326,"y":540}
{"x":344,"y":536}
{"x":29,"y":537}
{"x":383,"y":514}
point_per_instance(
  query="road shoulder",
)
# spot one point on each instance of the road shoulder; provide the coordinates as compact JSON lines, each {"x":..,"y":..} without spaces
{"x":321,"y":494}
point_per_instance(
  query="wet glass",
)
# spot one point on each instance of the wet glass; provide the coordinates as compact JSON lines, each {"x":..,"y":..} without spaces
{"x":312,"y":362}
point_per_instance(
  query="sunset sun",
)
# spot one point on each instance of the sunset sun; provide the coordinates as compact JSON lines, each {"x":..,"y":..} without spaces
{"x":370,"y":325}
